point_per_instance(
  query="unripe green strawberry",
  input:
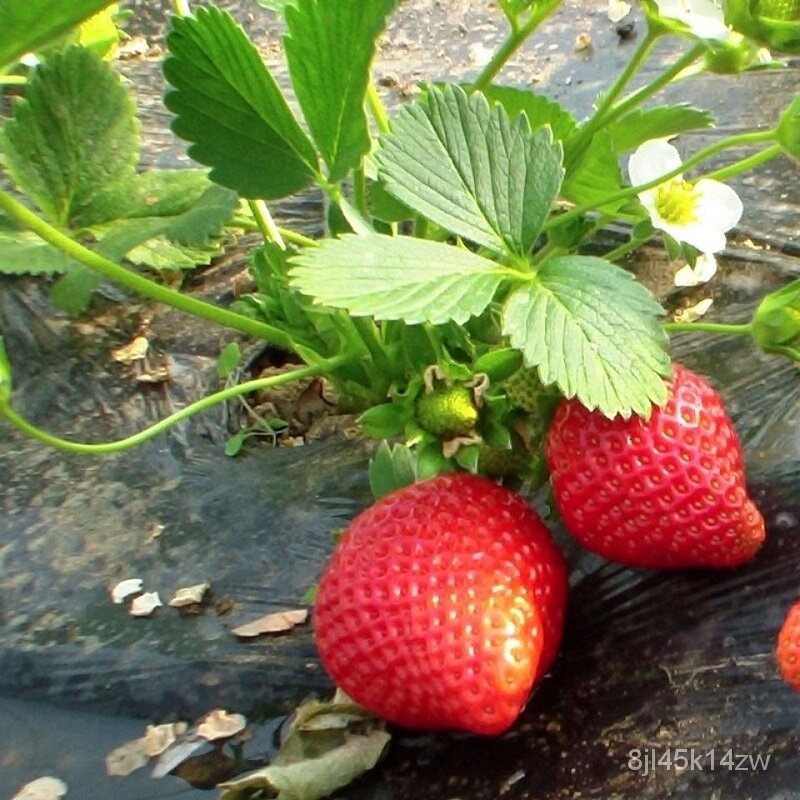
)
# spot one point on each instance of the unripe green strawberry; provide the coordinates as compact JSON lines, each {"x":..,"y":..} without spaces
{"x":449,"y":411}
{"x":668,"y":491}
{"x":787,"y":653}
{"x":443,"y":605}
{"x":501,"y":462}
{"x":524,"y":389}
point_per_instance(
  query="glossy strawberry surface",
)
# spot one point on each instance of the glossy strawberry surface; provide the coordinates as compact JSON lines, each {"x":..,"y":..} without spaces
{"x":787,"y":653}
{"x":665,"y":492}
{"x":442,"y":605}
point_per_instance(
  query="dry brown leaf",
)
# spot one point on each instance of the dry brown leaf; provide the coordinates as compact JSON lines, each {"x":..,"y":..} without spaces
{"x":126,"y":758}
{"x":145,"y":604}
{"x":279,"y":622}
{"x":219,"y":724}
{"x":47,"y":788}
{"x":190,"y":595}
{"x":135,"y":350}
{"x":157,"y":738}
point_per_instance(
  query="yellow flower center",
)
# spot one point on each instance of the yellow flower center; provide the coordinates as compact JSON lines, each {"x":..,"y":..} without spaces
{"x":675,"y":202}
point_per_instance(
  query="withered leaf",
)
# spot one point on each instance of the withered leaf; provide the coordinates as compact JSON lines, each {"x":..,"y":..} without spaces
{"x":279,"y":622}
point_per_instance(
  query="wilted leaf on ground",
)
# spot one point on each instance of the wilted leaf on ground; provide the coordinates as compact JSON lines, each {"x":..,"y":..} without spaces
{"x":279,"y":622}
{"x":313,"y":778}
{"x":220,"y":724}
{"x":46,"y":788}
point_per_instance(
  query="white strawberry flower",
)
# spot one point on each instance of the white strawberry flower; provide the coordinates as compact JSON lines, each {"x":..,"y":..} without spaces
{"x":705,"y":19}
{"x":698,"y":213}
{"x":703,"y":271}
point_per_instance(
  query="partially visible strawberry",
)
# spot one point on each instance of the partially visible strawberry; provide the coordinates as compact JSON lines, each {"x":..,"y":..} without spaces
{"x":787,"y":653}
{"x":442,"y":605}
{"x":665,"y":492}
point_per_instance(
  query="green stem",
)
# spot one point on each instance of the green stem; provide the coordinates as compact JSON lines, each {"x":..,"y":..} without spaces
{"x":513,"y":42}
{"x":360,"y":191}
{"x":377,"y":109}
{"x":655,"y":86}
{"x":624,"y":249}
{"x":297,"y":238}
{"x":624,"y":78}
{"x":746,"y":164}
{"x":727,"y":329}
{"x":163,"y":425}
{"x":138,"y":283}
{"x":631,"y":191}
{"x":266,"y":224}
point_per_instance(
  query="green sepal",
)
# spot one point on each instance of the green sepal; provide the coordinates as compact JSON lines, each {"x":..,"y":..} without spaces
{"x":468,"y":457}
{"x":787,"y":133}
{"x":494,"y":421}
{"x":430,"y":460}
{"x":776,"y":323}
{"x":391,"y":468}
{"x":384,"y":421}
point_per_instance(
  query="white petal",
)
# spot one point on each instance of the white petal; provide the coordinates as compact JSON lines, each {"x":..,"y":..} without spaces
{"x":704,"y":18}
{"x":700,"y":235}
{"x":705,"y":267}
{"x":651,"y":160}
{"x":618,"y":10}
{"x":704,"y":270}
{"x":145,"y":604}
{"x":717,"y":204}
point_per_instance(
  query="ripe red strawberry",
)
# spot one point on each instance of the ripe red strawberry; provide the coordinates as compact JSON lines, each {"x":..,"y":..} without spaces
{"x":787,"y":653}
{"x":665,"y":492}
{"x":442,"y":605}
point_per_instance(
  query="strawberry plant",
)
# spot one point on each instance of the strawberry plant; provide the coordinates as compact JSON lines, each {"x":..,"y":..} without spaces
{"x":454,"y":301}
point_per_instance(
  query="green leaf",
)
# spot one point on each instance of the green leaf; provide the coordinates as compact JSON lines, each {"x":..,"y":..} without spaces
{"x":162,"y":255}
{"x":399,"y":277}
{"x":229,"y":105}
{"x":499,"y":364}
{"x":29,"y":25}
{"x":592,"y":329}
{"x":539,"y":109}
{"x":594,"y":171}
{"x":233,"y":446}
{"x":640,"y":126}
{"x":228,"y":359}
{"x":166,"y":192}
{"x":204,"y":218}
{"x":73,"y":142}
{"x":384,"y":421}
{"x":391,"y":468}
{"x":73,"y":291}
{"x":329,"y":49}
{"x":24,"y":253}
{"x":277,"y":6}
{"x":468,"y":168}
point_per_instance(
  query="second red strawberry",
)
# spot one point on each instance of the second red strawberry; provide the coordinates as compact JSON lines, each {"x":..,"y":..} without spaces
{"x":664,"y":492}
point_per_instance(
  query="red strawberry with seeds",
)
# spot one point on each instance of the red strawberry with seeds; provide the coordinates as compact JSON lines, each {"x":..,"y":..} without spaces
{"x":442,"y":605}
{"x":665,"y":492}
{"x":787,"y":653}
